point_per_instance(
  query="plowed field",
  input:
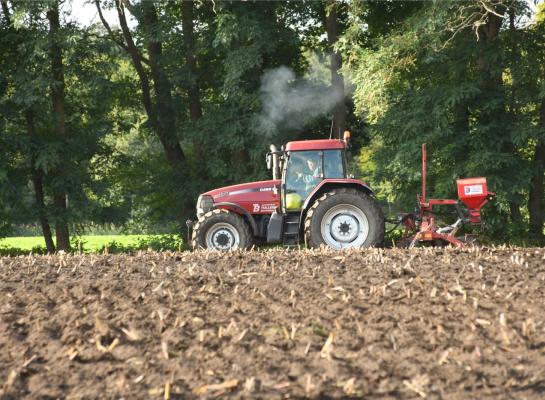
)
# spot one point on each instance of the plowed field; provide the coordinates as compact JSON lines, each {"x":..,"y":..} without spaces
{"x":434,"y":323}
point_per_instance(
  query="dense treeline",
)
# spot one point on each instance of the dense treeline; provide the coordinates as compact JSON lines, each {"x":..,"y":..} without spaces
{"x":125,"y":121}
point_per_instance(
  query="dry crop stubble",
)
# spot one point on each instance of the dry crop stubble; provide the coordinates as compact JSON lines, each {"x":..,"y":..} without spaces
{"x":434,"y":323}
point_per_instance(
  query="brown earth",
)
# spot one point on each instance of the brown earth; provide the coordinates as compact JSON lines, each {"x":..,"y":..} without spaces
{"x":435,"y":323}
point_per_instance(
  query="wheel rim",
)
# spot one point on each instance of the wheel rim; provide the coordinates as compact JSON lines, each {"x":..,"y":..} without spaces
{"x":222,"y":236}
{"x":344,"y":226}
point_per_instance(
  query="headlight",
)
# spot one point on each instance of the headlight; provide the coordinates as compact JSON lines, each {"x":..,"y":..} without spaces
{"x":204,"y":204}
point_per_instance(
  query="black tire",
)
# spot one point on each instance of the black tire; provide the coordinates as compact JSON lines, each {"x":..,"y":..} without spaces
{"x":337,"y":199}
{"x":225,"y":223}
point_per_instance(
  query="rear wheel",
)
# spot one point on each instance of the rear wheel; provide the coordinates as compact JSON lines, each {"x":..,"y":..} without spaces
{"x":222,"y":230}
{"x":344,"y":218}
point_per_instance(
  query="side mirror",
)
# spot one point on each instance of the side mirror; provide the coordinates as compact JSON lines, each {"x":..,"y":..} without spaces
{"x":268,"y":158}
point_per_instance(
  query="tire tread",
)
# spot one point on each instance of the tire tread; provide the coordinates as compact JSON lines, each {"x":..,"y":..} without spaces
{"x":197,"y":236}
{"x":375,"y":209}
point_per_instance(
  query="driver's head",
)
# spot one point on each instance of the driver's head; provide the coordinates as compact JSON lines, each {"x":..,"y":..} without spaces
{"x":311,"y":164}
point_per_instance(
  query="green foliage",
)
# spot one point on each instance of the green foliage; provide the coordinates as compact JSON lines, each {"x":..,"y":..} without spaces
{"x":15,"y":251}
{"x":471,"y":99}
{"x":131,"y":244}
{"x":540,"y":13}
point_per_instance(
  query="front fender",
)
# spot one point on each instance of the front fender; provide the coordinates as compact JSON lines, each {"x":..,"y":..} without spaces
{"x":239,"y":210}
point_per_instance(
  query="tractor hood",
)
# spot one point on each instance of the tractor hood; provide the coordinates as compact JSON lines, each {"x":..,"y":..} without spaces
{"x":245,"y":191}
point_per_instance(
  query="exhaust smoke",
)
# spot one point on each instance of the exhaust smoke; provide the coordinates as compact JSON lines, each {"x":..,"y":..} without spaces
{"x":291,"y":103}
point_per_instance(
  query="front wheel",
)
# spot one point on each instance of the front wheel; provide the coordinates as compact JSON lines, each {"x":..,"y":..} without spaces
{"x":344,"y":218}
{"x":222,"y":230}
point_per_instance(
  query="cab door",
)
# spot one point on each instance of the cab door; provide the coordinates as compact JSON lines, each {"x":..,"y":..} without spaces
{"x":303,"y":171}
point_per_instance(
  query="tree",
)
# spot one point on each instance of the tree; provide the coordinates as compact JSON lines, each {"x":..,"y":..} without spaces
{"x":59,"y":116}
{"x":536,"y":202}
{"x":17,"y":37}
{"x":37,"y":104}
{"x":158,"y":103}
{"x":193,"y":89}
{"x":22,"y":37}
{"x":335,"y":57}
{"x":447,"y":78}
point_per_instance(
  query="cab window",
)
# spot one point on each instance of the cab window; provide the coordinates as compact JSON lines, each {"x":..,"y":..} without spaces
{"x":333,"y":164}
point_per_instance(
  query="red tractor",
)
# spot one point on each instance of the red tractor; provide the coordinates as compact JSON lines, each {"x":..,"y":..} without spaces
{"x":310,"y":200}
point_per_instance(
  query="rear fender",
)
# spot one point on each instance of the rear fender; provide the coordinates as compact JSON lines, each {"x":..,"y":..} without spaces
{"x":329,"y":184}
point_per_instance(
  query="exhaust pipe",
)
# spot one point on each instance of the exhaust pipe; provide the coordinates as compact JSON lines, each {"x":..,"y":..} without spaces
{"x":275,"y":162}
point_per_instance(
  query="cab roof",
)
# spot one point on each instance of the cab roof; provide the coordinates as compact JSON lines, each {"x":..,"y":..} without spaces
{"x":322,"y":144}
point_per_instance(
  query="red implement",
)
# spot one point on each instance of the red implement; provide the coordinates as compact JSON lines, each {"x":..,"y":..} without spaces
{"x":472,"y":192}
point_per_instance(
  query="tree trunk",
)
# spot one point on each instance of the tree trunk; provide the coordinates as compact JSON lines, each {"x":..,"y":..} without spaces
{"x":160,"y":115}
{"x":37,"y":175}
{"x":493,"y":85}
{"x":195,"y":110}
{"x":57,"y":98}
{"x":492,"y":77}
{"x":536,"y":204}
{"x":137,"y":63}
{"x":516,"y":215}
{"x":193,"y":90}
{"x":157,"y":103}
{"x":166,"y":122}
{"x":337,"y":81}
{"x":37,"y":181}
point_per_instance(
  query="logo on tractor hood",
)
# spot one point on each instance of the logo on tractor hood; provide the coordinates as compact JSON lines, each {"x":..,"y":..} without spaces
{"x":255,"y":187}
{"x":256,"y":207}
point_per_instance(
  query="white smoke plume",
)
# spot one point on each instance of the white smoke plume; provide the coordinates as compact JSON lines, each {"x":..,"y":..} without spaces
{"x":290,"y":102}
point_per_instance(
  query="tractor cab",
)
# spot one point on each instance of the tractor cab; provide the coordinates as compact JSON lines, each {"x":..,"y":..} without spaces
{"x":310,"y":200}
{"x":305,"y":169}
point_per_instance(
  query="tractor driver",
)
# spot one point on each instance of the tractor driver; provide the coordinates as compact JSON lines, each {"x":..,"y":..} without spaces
{"x":313,"y":174}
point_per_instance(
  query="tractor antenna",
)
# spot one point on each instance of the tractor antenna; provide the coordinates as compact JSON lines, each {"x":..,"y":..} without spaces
{"x":331,"y":129}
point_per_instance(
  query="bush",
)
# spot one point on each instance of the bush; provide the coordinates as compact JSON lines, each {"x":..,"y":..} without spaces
{"x":154,"y":243}
{"x":16,"y":251}
{"x":162,"y":242}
